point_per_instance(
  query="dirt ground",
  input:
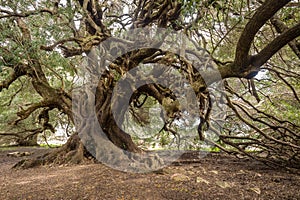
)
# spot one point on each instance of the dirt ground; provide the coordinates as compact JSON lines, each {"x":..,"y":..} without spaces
{"x":217,"y":176}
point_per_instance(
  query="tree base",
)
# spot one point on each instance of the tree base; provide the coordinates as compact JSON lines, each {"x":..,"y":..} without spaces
{"x":73,"y":152}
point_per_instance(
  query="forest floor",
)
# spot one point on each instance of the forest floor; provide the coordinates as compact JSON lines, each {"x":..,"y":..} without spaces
{"x":216,"y":176}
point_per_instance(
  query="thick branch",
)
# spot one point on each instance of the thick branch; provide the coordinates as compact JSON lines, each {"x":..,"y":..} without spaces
{"x":93,"y":16}
{"x":27,"y":14}
{"x":261,"y":16}
{"x":280,"y":28}
{"x":57,"y":43}
{"x":18,"y":72}
{"x":23,"y":114}
{"x":279,"y":42}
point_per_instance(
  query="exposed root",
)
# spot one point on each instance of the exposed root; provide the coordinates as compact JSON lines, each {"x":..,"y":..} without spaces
{"x":73,"y":152}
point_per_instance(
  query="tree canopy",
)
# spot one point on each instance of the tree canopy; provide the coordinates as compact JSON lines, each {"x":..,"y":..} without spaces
{"x":253,"y":48}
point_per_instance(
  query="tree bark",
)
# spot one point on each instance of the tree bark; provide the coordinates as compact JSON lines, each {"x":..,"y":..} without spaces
{"x":73,"y":152}
{"x":31,"y":140}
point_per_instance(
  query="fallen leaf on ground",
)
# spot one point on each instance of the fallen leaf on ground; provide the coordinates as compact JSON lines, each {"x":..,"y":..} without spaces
{"x":256,"y":190}
{"x":201,"y":180}
{"x":180,"y":177}
{"x":224,"y":184}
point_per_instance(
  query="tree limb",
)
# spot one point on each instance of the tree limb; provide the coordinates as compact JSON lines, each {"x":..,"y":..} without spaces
{"x":279,"y":42}
{"x":19,"y":71}
{"x":261,"y":16}
{"x":280,"y":28}
{"x":26,"y":14}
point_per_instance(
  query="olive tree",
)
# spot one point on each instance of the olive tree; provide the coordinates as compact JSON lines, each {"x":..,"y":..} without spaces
{"x":254,"y":45}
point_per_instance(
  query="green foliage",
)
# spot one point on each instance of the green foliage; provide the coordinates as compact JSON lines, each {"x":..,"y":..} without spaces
{"x":214,"y":25}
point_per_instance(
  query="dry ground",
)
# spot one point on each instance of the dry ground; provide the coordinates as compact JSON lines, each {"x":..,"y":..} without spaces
{"x":217,"y":176}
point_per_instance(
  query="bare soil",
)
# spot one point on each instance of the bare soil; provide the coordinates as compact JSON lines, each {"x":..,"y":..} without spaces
{"x":217,"y":176}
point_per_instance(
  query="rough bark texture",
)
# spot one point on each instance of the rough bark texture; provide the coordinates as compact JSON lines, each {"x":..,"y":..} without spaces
{"x":73,"y":152}
{"x":28,"y":141}
{"x":165,"y":15}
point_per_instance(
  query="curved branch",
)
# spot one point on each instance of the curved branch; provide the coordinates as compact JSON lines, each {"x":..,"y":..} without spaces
{"x":18,"y":72}
{"x":276,"y":45}
{"x":26,"y":14}
{"x":94,"y":15}
{"x":24,"y":114}
{"x":280,"y":28}
{"x":57,"y":43}
{"x":261,"y":16}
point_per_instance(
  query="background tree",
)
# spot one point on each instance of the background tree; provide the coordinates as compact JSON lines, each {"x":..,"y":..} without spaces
{"x":42,"y":44}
